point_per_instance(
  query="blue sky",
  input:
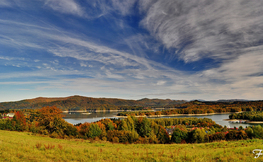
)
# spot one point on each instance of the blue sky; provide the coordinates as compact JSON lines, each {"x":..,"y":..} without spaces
{"x":131,"y":49}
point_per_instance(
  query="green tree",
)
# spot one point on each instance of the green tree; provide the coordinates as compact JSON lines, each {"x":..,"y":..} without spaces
{"x":123,"y":125}
{"x":179,"y":135}
{"x":143,"y":127}
{"x":250,"y":133}
{"x":94,"y":130}
{"x":198,"y":135}
{"x":153,"y":138}
{"x":130,"y":123}
{"x":258,"y":131}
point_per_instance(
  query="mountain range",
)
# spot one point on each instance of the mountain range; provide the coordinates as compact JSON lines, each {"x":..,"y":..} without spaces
{"x":89,"y":103}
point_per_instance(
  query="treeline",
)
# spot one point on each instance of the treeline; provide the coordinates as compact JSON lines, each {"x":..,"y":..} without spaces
{"x":202,"y":109}
{"x":48,"y":121}
{"x":195,"y":109}
{"x":241,"y":104}
{"x":182,"y":135}
{"x":88,"y":103}
{"x":252,"y":116}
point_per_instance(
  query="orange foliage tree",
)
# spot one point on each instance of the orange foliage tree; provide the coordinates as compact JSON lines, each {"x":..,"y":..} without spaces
{"x":50,"y":117}
{"x":19,"y":121}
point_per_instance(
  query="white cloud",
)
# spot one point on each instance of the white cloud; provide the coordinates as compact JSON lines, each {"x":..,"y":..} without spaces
{"x":65,"y":6}
{"x":217,"y":29}
{"x":161,"y":82}
{"x":123,"y":6}
{"x":5,"y":3}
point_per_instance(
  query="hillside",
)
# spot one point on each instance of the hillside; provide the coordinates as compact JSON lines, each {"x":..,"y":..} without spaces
{"x":89,"y":103}
{"x":21,"y":146}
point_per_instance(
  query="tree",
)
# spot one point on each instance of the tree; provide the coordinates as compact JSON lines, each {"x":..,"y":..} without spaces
{"x":178,"y":135}
{"x":19,"y":121}
{"x":162,"y":135}
{"x":48,"y":115}
{"x":249,"y":132}
{"x":123,"y":126}
{"x":130,"y":123}
{"x":258,"y":131}
{"x":143,"y":127}
{"x":198,"y":135}
{"x":94,"y":130}
{"x":153,"y":138}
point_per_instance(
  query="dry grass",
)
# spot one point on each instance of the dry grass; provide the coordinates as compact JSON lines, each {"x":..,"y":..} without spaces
{"x":21,"y":146}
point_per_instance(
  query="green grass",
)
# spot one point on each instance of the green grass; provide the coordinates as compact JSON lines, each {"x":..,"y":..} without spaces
{"x":22,"y":146}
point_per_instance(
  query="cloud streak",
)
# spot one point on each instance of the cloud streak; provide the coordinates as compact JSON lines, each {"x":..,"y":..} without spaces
{"x":136,"y":48}
{"x":214,"y":29}
{"x":65,"y":6}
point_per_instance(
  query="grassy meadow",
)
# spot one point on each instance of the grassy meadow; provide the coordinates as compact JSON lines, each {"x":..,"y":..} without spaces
{"x":23,"y":146}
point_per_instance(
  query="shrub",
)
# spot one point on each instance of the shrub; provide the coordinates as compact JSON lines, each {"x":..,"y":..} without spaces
{"x":115,"y":139}
{"x":123,"y":136}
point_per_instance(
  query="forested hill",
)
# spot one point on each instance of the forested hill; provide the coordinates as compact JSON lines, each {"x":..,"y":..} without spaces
{"x":82,"y":103}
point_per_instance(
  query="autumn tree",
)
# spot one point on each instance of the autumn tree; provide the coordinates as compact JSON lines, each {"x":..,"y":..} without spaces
{"x":162,"y":135}
{"x":50,"y":118}
{"x":19,"y":121}
{"x":143,"y":127}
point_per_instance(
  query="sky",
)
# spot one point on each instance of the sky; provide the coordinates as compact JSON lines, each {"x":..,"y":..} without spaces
{"x":131,"y":49}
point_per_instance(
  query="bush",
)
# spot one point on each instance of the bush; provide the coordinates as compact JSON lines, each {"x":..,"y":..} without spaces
{"x":123,"y":136}
{"x":115,"y":139}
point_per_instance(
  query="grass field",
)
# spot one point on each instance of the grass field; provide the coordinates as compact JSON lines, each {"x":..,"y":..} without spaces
{"x":22,"y":146}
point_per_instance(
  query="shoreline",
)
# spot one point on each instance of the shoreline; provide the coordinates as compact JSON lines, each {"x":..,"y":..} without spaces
{"x":207,"y":114}
{"x":246,"y":121}
{"x":254,"y":122}
{"x":83,"y":111}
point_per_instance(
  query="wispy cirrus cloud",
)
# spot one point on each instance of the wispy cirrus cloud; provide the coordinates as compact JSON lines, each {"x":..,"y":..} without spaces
{"x":124,"y":7}
{"x":211,"y":29}
{"x":97,"y":47}
{"x":66,"y":6}
{"x":5,"y":3}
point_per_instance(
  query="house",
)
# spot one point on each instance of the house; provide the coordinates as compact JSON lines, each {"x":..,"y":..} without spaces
{"x":169,"y":130}
{"x":10,"y":115}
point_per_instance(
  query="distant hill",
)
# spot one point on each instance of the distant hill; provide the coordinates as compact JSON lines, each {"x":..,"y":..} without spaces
{"x":232,"y":100}
{"x":89,"y":103}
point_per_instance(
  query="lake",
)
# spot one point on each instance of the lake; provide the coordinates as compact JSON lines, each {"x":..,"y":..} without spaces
{"x":77,"y":117}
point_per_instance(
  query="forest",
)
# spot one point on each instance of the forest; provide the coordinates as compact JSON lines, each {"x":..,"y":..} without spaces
{"x":74,"y":103}
{"x":197,"y":107}
{"x":88,"y":103}
{"x":48,"y":121}
{"x":252,"y":116}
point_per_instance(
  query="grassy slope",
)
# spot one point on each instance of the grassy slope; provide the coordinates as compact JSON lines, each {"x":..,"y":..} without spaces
{"x":21,"y":146}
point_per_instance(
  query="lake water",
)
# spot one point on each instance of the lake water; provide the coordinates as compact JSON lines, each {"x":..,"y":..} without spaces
{"x":76,"y":117}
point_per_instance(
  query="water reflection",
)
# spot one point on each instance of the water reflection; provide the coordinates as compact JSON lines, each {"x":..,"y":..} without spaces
{"x":76,"y":117}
